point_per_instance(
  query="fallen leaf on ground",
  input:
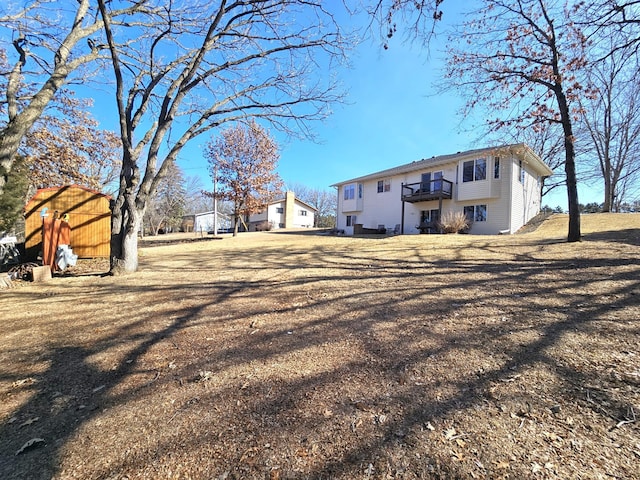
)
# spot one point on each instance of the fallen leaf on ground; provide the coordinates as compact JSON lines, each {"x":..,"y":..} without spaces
{"x":29,"y":421}
{"x":450,"y":433}
{"x":33,"y":443}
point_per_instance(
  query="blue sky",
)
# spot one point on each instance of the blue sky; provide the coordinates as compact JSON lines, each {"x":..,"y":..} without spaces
{"x":391,"y":116}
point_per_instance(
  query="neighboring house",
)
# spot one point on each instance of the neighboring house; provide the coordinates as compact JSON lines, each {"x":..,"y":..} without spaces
{"x":497,"y":188}
{"x":204,"y":222}
{"x":287,"y":212}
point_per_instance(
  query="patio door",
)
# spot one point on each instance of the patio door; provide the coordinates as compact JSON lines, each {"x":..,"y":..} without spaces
{"x":437,"y":182}
{"x":429,"y":220}
{"x":425,"y":185}
{"x":434,"y":216}
{"x":431,"y":182}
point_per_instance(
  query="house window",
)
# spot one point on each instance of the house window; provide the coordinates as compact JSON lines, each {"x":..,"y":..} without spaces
{"x":349,"y":192}
{"x":474,"y":170}
{"x":359,"y":190}
{"x":476,"y":213}
{"x":303,"y":213}
{"x":279,"y":210}
{"x":384,"y":186}
{"x":351,"y":220}
{"x":520,"y":172}
{"x":496,"y":167}
{"x":481,"y":213}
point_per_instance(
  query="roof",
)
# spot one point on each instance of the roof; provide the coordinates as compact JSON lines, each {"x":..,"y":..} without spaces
{"x":295,"y":199}
{"x":73,"y":185}
{"x":211,"y":212}
{"x":63,"y":195}
{"x":519,"y":149}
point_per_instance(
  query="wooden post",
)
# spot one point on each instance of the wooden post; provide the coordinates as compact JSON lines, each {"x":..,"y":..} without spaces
{"x":440,"y":210}
{"x":402,"y":218}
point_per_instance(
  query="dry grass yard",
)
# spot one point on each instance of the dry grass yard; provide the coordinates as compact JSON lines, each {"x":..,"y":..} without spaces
{"x":300,"y":356}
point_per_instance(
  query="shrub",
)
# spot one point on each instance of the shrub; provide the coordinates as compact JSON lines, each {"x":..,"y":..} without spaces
{"x":264,"y":226}
{"x":454,"y":222}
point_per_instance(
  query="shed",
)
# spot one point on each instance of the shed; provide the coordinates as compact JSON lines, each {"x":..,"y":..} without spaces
{"x":89,"y":218}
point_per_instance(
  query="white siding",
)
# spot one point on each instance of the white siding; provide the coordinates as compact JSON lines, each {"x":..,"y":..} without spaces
{"x":525,"y":197}
{"x":259,"y":217}
{"x":509,"y":203}
{"x":273,"y":217}
{"x":301,"y":220}
{"x":204,"y":222}
{"x":499,"y":215}
{"x":279,"y":220}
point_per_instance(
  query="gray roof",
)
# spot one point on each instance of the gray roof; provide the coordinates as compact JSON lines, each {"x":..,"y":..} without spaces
{"x":519,"y":149}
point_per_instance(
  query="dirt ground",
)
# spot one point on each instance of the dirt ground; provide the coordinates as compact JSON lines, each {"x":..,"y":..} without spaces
{"x":304,"y":356}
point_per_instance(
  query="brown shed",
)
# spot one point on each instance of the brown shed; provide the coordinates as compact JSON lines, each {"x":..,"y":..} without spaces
{"x":89,"y":218}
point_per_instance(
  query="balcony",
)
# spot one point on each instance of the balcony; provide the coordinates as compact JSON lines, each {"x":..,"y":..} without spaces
{"x":426,"y":191}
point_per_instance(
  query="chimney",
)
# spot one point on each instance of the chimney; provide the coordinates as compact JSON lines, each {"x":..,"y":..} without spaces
{"x":289,"y":209}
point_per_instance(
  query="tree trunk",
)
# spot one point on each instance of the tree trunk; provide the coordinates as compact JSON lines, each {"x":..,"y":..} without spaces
{"x":236,"y":222}
{"x":14,"y":131}
{"x":574,"y":234}
{"x":607,"y":205}
{"x":125,"y":225}
{"x":127,"y":259}
{"x":10,"y":139}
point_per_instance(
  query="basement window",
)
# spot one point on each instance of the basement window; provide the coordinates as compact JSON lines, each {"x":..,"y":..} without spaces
{"x":476,"y":213}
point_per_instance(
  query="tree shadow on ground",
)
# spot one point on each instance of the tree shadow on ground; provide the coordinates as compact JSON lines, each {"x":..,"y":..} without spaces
{"x":389,"y":341}
{"x":630,"y":236}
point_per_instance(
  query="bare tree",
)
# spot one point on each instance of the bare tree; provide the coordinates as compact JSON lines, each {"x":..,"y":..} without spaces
{"x":197,"y":66}
{"x":245,"y":159}
{"x":197,"y":201}
{"x":617,"y":21}
{"x":417,"y":19}
{"x":611,"y":122}
{"x":323,"y":201}
{"x":546,"y":140}
{"x":520,"y":58}
{"x":51,"y":41}
{"x":167,"y":204}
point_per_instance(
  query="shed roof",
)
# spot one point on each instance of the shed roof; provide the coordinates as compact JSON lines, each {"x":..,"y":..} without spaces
{"x":46,"y":195}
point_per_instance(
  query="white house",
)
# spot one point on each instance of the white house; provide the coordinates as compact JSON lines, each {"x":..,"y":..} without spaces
{"x":287,"y":212}
{"x":205,"y":222}
{"x":497,"y":188}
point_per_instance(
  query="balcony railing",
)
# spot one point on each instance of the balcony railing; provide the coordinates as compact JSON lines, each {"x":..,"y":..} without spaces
{"x":426,"y":191}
